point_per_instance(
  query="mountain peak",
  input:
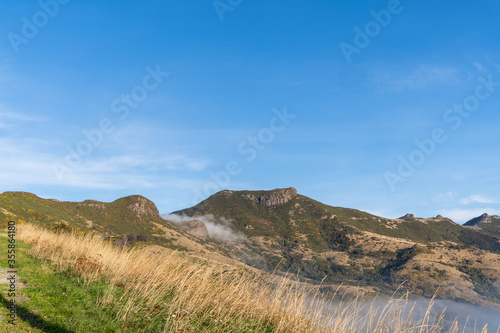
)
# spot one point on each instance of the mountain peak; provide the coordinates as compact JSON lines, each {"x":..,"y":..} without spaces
{"x":277,"y":197}
{"x":485,"y":218}
{"x":140,"y":205}
{"x":486,"y":223}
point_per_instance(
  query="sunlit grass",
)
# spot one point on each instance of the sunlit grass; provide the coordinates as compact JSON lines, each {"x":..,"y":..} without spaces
{"x":176,"y":293}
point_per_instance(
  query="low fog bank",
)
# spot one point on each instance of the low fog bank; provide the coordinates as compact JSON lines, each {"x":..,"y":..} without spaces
{"x":470,"y":314}
{"x":470,"y":318}
{"x":219,"y":228}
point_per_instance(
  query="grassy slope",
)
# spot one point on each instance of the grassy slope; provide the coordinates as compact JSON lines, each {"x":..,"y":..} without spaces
{"x":113,"y":218}
{"x":57,"y":300}
{"x":53,"y":300}
{"x":146,"y":293}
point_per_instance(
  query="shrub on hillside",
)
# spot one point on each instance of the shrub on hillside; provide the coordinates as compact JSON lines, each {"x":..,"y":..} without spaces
{"x":142,"y":238}
{"x":61,"y":228}
{"x":130,"y":239}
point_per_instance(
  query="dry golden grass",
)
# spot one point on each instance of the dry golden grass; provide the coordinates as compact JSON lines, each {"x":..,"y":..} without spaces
{"x":189,"y":295}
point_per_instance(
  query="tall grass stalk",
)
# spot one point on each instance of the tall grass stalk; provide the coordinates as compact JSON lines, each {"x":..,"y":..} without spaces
{"x":177,"y":293}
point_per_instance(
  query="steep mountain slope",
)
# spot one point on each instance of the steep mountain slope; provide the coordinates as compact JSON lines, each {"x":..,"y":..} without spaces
{"x":293,"y":233}
{"x":485,"y":223}
{"x":284,"y":212}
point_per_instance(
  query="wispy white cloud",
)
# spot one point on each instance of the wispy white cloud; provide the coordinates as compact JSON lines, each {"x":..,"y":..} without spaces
{"x":133,"y":171}
{"x":476,"y":198}
{"x":120,"y":163}
{"x":29,"y":162}
{"x":8,"y":117}
{"x":422,"y":77}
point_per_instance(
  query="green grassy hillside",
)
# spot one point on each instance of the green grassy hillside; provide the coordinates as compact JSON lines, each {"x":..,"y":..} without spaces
{"x":132,"y":214}
{"x":45,"y":306}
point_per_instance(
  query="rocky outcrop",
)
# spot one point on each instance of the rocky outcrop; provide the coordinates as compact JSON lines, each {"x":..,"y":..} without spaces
{"x":196,"y":228}
{"x":278,"y":197}
{"x":408,"y":217}
{"x":142,"y":206}
{"x":250,"y":197}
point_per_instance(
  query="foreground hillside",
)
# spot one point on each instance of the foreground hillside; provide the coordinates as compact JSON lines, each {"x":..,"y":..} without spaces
{"x":81,"y":283}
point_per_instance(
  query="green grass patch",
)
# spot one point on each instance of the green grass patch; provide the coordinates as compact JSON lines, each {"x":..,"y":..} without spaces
{"x":53,"y":300}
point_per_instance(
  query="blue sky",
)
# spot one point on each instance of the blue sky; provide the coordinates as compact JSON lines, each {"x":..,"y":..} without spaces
{"x":175,"y":100}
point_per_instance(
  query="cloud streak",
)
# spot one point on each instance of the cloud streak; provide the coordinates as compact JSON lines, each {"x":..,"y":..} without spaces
{"x":422,"y":77}
{"x":218,"y":228}
{"x":28,"y":162}
{"x":9,"y":118}
{"x":477,"y":199}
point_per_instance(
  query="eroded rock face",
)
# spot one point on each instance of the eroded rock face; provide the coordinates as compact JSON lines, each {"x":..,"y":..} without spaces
{"x":143,"y":206}
{"x":250,"y":197}
{"x":278,"y":197}
{"x":196,"y":228}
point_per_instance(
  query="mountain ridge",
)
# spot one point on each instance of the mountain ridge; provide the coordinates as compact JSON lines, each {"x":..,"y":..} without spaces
{"x":284,"y":232}
{"x":245,"y":207}
{"x":489,"y":224}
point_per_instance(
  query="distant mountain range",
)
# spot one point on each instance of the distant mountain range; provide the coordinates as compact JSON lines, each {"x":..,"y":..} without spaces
{"x":486,"y":223}
{"x":284,"y":232}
